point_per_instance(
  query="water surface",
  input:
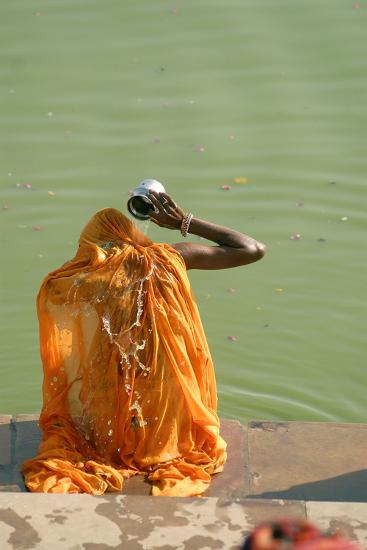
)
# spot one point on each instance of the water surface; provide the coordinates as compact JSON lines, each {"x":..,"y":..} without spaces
{"x":97,"y":96}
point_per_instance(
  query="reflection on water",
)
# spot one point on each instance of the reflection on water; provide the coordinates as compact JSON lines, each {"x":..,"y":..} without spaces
{"x":253,"y":115}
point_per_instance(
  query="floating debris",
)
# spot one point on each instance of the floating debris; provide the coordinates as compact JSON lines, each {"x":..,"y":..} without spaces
{"x":344,"y":219}
{"x":300,"y":204}
{"x":156,"y":140}
{"x":295,"y":237}
{"x":5,"y":207}
{"x":258,"y":308}
{"x":38,"y":13}
{"x":321,"y":240}
{"x":266,"y":326}
{"x":50,"y":113}
{"x":232,"y":338}
{"x":241,"y":180}
{"x":199,"y":149}
{"x":51,"y":193}
{"x":10,"y":174}
{"x":226,"y":187}
{"x":232,"y":138}
{"x":27,"y":186}
{"x":231,"y":290}
{"x":192,"y":101}
{"x":279,"y":290}
{"x":37,"y":228}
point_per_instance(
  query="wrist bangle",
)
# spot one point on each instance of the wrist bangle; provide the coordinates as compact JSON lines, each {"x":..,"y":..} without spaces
{"x":185,"y":224}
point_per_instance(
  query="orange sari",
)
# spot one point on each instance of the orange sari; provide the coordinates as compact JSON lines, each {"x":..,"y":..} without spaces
{"x":129,"y":385}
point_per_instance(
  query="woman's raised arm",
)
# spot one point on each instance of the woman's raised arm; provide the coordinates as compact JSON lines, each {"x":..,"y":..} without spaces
{"x":233,"y":248}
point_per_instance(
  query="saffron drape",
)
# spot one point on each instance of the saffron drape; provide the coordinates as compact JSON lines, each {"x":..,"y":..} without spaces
{"x":129,"y":385}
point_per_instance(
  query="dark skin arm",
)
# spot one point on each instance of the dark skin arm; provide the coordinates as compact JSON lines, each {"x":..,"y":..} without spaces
{"x":234,"y":248}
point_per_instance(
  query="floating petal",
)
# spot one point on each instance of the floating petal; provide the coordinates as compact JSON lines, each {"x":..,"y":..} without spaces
{"x":240,"y":180}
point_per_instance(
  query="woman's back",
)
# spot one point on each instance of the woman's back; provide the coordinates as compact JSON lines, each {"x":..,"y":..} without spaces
{"x":129,"y":384}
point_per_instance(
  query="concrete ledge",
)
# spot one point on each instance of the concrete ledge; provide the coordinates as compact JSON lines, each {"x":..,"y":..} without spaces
{"x":132,"y":522}
{"x":308,"y":461}
{"x":275,"y":469}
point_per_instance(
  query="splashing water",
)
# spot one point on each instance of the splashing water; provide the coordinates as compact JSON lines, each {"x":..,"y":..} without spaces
{"x":143,"y":225}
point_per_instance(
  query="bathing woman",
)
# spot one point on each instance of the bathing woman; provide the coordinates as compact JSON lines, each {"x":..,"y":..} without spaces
{"x":129,"y":385}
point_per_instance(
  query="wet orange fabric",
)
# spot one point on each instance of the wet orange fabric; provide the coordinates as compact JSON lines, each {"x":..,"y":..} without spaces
{"x":129,"y":385}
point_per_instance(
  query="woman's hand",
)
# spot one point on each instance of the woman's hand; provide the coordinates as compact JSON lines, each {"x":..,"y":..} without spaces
{"x":166,"y":212}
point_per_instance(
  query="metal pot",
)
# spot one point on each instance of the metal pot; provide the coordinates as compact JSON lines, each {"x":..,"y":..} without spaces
{"x":139,"y":205}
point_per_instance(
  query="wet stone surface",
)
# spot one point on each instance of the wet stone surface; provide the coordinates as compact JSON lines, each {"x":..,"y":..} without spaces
{"x":20,"y":436}
{"x":132,"y":522}
{"x":347,"y":518}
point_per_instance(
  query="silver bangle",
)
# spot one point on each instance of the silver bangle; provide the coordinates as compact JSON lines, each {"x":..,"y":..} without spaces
{"x":186,"y":220}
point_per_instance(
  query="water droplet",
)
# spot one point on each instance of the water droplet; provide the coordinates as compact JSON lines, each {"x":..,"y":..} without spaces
{"x":226,"y":187}
{"x":232,"y":338}
{"x":295,"y":237}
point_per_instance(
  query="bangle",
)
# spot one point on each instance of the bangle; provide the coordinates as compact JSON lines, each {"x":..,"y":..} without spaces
{"x":185,"y":224}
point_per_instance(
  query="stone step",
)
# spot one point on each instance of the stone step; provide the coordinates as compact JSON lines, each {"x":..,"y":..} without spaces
{"x":135,"y":522}
{"x":132,"y":522}
{"x":275,"y":460}
{"x":20,"y":436}
{"x":308,"y":461}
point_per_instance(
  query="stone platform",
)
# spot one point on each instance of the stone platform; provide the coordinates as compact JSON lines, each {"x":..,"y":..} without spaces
{"x":275,"y":469}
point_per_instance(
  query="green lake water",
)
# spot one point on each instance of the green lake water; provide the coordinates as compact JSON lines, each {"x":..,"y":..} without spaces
{"x":96,"y":96}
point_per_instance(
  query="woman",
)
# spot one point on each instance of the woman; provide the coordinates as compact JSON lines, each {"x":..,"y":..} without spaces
{"x":129,"y":385}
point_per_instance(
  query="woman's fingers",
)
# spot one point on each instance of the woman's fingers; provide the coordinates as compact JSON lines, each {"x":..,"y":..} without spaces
{"x":169,"y":200}
{"x":156,"y":202}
